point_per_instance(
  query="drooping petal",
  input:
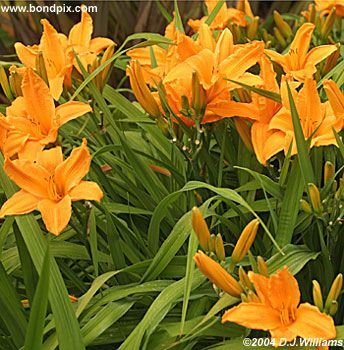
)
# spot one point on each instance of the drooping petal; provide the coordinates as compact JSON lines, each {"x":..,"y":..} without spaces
{"x":81,"y":33}
{"x":86,"y":190}
{"x":98,"y":44}
{"x":39,"y":103}
{"x":254,"y":316}
{"x":70,"y":172}
{"x":70,"y":110}
{"x":29,"y":176}
{"x":311,"y":323}
{"x":20,"y":203}
{"x":50,"y":159}
{"x":56,"y":215}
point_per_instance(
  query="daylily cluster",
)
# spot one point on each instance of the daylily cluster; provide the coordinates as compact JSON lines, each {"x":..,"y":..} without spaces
{"x":48,"y":182}
{"x":193,"y":81}
{"x":58,"y":52}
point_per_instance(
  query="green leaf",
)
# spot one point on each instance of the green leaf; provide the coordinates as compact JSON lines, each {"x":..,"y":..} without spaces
{"x":295,"y":257}
{"x":34,"y":335}
{"x":11,"y":314}
{"x":214,"y":13}
{"x":92,"y":234}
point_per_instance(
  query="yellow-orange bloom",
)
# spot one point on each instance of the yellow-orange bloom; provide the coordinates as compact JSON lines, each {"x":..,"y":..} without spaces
{"x":336,"y":99}
{"x":225,"y":15}
{"x":32,"y":121}
{"x":298,"y":62}
{"x":279,"y":311}
{"x":50,"y":185}
{"x":325,"y":6}
{"x":317,"y":119}
{"x":57,"y":51}
{"x":218,"y":275}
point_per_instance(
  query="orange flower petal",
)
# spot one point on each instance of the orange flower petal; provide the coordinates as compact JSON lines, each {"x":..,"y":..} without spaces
{"x":318,"y":54}
{"x":81,"y":33}
{"x":70,"y":110}
{"x":86,"y":190}
{"x":30,"y":150}
{"x":29,"y":176}
{"x":254,"y":316}
{"x":20,"y":203}
{"x":56,"y":215}
{"x":311,"y":323}
{"x":99,"y":44}
{"x":50,"y":159}
{"x":70,"y":172}
{"x":39,"y":103}
{"x":27,"y":54}
{"x":224,"y":46}
{"x":14,"y":142}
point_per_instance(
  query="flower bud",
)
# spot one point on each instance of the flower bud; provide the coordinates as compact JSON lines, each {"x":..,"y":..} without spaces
{"x":262,"y":266}
{"x":245,"y":241}
{"x":141,"y":91}
{"x":279,"y":37}
{"x":317,"y":295}
{"x":334,"y":291}
{"x":5,"y":84}
{"x":253,"y":28}
{"x":201,"y":228}
{"x":244,"y":131}
{"x":333,"y":308}
{"x":15,"y":81}
{"x":252,"y":297}
{"x":244,"y":280}
{"x":218,"y":275}
{"x":329,"y":171}
{"x":328,"y":24}
{"x":305,"y":206}
{"x":106,"y":71}
{"x":282,"y":25}
{"x":219,"y":248}
{"x":199,"y":97}
{"x":40,"y":67}
{"x":314,"y":195}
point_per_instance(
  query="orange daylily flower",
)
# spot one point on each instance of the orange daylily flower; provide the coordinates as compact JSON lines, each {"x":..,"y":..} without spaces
{"x":325,"y":7}
{"x":279,"y":312}
{"x":336,"y":99}
{"x":32,"y":121}
{"x":50,"y":185}
{"x":317,"y":119}
{"x":212,"y":67}
{"x":298,"y":62}
{"x":225,"y":15}
{"x":57,"y":51}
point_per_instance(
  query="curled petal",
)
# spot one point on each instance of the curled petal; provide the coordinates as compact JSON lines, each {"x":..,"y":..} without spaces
{"x":20,"y":203}
{"x":70,"y":110}
{"x":87,"y":190}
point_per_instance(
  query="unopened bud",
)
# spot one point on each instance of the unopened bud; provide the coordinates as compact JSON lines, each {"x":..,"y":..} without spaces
{"x":314,"y":195}
{"x":219,"y":248}
{"x":5,"y":84}
{"x":244,"y":280}
{"x":305,"y":206}
{"x":279,"y":37}
{"x":106,"y":71}
{"x":200,"y":227}
{"x":40,"y":67}
{"x":334,"y":291}
{"x":15,"y":82}
{"x":333,"y":308}
{"x":252,"y":297}
{"x":253,"y":28}
{"x":329,"y":171}
{"x":317,"y":295}
{"x":244,"y":131}
{"x":218,"y":275}
{"x":282,"y":25}
{"x":262,"y":266}
{"x":328,"y":24}
{"x":245,"y":241}
{"x":199,"y":97}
